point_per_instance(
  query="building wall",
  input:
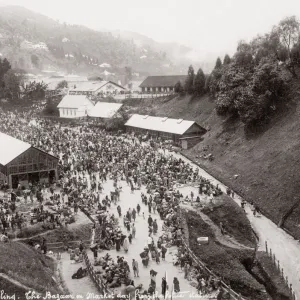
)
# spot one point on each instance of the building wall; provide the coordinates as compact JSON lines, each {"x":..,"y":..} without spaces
{"x":194,"y":130}
{"x":68,"y":112}
{"x":157,"y":89}
{"x":30,"y":162}
{"x":110,"y":88}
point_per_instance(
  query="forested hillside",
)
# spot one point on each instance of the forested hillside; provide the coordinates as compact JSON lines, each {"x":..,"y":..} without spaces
{"x":35,"y":42}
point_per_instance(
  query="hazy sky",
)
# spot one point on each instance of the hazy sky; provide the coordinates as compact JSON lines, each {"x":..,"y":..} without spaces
{"x":211,"y":26}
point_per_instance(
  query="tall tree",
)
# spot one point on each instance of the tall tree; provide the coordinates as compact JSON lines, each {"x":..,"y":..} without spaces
{"x":189,"y":82}
{"x":218,"y":63}
{"x":199,"y":83}
{"x":227,"y":60}
{"x":178,"y":88}
{"x":288,"y":31}
{"x":62,"y":84}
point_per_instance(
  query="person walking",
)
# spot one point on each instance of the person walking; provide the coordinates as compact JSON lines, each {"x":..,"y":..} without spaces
{"x":133,"y":231}
{"x":126,"y":244}
{"x":176,"y":285}
{"x":135,"y":267}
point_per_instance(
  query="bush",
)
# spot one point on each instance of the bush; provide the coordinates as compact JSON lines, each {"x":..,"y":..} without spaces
{"x":50,"y":109}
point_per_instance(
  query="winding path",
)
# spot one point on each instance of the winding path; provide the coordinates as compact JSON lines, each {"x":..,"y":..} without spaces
{"x":284,"y":246}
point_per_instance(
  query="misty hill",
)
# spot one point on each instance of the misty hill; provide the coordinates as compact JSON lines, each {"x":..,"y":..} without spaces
{"x":35,"y":42}
{"x":181,"y":55}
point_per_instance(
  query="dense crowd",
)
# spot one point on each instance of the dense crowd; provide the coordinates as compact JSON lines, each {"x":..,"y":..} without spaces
{"x":87,"y":158}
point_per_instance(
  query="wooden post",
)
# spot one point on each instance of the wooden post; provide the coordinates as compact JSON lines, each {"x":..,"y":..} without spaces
{"x":267,"y":247}
{"x":278,"y":265}
{"x":271,"y":253}
{"x":274,"y":259}
{"x":282,"y":275}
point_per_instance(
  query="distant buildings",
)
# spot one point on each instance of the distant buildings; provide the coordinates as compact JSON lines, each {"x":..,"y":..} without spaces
{"x":94,"y":88}
{"x":78,"y":106}
{"x":161,"y":84}
{"x":182,"y":132}
{"x":74,"y":106}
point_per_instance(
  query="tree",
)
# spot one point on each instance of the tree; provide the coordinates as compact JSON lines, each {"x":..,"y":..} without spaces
{"x":244,"y":56}
{"x":178,"y":88}
{"x":128,"y":74}
{"x":227,"y":60}
{"x":12,"y":82}
{"x":199,"y":83}
{"x":35,"y":90}
{"x":4,"y":67}
{"x":218,"y":63}
{"x":189,"y":82}
{"x":207,"y":83}
{"x":288,"y":31}
{"x":62,"y":84}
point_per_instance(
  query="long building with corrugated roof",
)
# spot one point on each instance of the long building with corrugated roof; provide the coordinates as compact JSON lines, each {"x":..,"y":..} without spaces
{"x":161,"y":84}
{"x":21,"y":163}
{"x":166,"y":128}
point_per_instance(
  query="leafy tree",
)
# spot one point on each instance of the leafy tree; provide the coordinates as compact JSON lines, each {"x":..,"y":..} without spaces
{"x":4,"y":67}
{"x":178,"y":88}
{"x":243,"y":57}
{"x":288,"y":32}
{"x":227,"y":60}
{"x":189,"y":82}
{"x":35,"y":90}
{"x":207,"y":83}
{"x":218,"y":63}
{"x":199,"y":83}
{"x":62,"y":84}
{"x":12,"y":82}
{"x":51,"y":109}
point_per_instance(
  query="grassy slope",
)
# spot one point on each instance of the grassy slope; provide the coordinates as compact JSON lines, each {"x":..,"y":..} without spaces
{"x":27,"y":266}
{"x":226,"y":262}
{"x":232,"y":216}
{"x":267,"y":164}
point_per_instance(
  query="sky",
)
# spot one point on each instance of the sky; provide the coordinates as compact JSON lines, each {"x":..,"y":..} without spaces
{"x":210,"y":26}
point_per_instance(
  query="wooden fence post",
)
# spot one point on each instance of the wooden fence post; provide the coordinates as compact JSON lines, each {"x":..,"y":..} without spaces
{"x":274,"y":259}
{"x":278,"y":265}
{"x":267,"y":247}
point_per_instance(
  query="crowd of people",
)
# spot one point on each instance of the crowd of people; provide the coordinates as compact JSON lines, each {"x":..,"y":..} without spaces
{"x":87,"y":159}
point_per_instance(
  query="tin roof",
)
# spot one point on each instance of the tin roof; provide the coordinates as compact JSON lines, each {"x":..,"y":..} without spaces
{"x":104,"y":110}
{"x":11,"y":148}
{"x":90,"y":86}
{"x":163,"y":81}
{"x":74,"y":101}
{"x":175,"y":126}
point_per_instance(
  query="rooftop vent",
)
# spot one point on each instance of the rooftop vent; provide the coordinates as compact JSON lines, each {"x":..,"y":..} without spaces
{"x":164,"y":119}
{"x":179,"y":121}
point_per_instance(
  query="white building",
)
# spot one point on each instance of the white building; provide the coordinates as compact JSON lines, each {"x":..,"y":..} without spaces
{"x":74,"y":106}
{"x":104,"y":110}
{"x":94,"y":88}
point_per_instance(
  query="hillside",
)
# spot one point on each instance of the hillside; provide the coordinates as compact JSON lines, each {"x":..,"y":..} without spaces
{"x":26,"y":267}
{"x":35,"y":42}
{"x":266,"y":163}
